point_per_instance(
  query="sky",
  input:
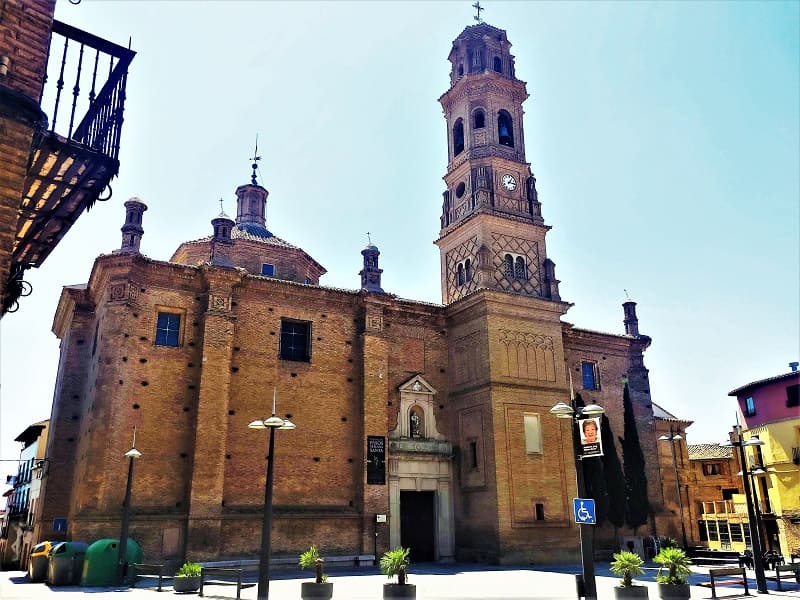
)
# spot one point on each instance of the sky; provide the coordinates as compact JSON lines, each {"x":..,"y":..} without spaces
{"x":665,"y":138}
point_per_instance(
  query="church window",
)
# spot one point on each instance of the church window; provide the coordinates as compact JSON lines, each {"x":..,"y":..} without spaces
{"x":589,"y":374}
{"x":295,"y":340}
{"x":460,"y":189}
{"x":479,"y":119}
{"x":467,"y":270}
{"x":505,"y":129}
{"x":268,"y":270}
{"x":460,"y":275}
{"x":460,"y":70}
{"x":458,"y":137}
{"x":168,"y":327}
{"x":533,"y":434}
{"x":508,"y":266}
{"x":498,"y":64}
{"x":473,"y":454}
{"x":749,"y":407}
{"x":519,"y":268}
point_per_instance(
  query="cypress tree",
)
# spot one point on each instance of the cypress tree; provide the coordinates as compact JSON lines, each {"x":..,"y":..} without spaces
{"x":637,"y":506}
{"x":614,"y":478}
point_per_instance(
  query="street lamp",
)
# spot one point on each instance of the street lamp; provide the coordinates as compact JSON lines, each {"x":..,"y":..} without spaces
{"x":272,"y":424}
{"x":755,"y":535}
{"x":752,"y":472}
{"x":570,"y":411}
{"x":122,"y":556}
{"x":671,"y":439}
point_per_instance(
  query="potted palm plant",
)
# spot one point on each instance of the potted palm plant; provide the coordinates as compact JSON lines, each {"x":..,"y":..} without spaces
{"x":673,"y":585}
{"x":394,"y":563}
{"x":319,"y":588}
{"x":628,"y":565}
{"x":187,"y":579}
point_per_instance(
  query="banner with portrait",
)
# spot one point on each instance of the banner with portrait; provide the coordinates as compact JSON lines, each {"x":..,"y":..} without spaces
{"x":591,"y":444}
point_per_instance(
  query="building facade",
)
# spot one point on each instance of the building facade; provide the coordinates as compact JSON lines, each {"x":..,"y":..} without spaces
{"x":417,"y":424}
{"x":22,"y":506}
{"x":770,"y":411}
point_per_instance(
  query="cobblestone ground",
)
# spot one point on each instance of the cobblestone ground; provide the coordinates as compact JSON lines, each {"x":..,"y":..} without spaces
{"x":434,"y":582}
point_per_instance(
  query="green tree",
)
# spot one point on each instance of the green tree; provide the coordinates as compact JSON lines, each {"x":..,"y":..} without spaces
{"x":614,"y":477}
{"x":637,"y":506}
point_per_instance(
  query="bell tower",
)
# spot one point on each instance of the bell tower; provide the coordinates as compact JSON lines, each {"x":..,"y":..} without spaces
{"x":492,"y":232}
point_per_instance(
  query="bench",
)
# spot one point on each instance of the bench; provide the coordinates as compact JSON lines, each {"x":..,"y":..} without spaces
{"x":790,"y":568}
{"x":145,"y":570}
{"x":225,"y":576}
{"x":714,"y":573}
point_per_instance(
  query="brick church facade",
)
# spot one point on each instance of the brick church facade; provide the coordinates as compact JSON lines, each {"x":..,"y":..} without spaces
{"x":465,"y":463}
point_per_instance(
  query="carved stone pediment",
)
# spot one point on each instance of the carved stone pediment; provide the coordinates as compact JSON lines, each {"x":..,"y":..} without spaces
{"x":416,"y":420}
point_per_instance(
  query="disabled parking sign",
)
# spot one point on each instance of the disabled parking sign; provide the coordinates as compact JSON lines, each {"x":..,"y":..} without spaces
{"x":583,"y":508}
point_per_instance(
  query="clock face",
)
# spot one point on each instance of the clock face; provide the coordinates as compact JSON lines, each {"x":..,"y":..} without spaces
{"x":509,"y":182}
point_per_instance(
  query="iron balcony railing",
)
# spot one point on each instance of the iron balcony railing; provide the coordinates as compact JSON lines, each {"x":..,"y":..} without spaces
{"x":90,"y":76}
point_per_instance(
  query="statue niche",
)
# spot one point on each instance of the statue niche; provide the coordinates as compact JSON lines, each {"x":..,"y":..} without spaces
{"x":416,"y":425}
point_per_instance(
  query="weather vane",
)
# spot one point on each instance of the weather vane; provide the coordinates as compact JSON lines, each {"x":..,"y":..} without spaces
{"x":477,"y":6}
{"x":255,"y":160}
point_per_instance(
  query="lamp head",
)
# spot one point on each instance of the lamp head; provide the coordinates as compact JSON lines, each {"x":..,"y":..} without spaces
{"x":562,"y":411}
{"x":272,"y":423}
{"x":287,"y":425}
{"x":753,"y":441}
{"x":592,"y":410}
{"x":133,"y":453}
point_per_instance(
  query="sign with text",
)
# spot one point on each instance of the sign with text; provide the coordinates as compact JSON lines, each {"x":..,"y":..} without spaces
{"x":376,"y":460}
{"x":591,"y":444}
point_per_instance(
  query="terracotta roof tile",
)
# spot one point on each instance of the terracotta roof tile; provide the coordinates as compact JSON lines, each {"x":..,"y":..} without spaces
{"x":708,"y":451}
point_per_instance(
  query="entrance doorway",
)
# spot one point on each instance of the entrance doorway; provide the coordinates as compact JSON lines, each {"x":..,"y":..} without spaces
{"x":417,"y":525}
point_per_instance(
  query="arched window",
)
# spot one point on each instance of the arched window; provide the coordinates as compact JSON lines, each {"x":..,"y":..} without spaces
{"x":508,"y":266}
{"x":460,"y":70}
{"x":478,"y":119}
{"x":519,"y":268}
{"x":498,"y":64}
{"x":505,"y":129}
{"x":458,"y":137}
{"x":467,"y":270}
{"x":460,"y":275}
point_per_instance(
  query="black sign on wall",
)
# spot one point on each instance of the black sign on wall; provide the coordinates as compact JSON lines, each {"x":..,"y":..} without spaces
{"x":376,"y":460}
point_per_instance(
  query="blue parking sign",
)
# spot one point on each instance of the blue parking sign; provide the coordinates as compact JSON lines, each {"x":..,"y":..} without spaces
{"x":583,"y":508}
{"x":59,"y":524}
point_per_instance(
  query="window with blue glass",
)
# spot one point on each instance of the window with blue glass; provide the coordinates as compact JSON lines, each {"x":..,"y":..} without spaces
{"x":295,"y":340}
{"x":168,"y":329}
{"x":589,"y":373}
{"x":749,"y":407}
{"x":268,"y":270}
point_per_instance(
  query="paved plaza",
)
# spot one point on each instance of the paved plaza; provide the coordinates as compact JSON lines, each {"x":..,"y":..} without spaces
{"x":434,"y":582}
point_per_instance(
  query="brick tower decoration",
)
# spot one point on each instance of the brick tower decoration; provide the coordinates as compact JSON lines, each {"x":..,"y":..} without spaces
{"x":492,"y":232}
{"x":132,"y":230}
{"x":371,"y":274}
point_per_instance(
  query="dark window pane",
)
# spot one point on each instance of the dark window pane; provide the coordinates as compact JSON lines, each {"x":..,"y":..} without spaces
{"x":167,"y":329}
{"x":793,"y":395}
{"x":296,"y":340}
{"x":588,"y":374}
{"x":749,"y":407}
{"x":268,"y":270}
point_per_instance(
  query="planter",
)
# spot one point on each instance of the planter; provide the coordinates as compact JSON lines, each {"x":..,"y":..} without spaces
{"x":311,"y":589}
{"x":186,"y":584}
{"x":391,"y":591}
{"x":673,"y":591}
{"x":632,"y":591}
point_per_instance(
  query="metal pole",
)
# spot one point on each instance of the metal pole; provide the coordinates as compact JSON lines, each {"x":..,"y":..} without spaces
{"x":586,"y":531}
{"x":757,"y":506}
{"x":266,"y":530}
{"x":758,"y":555}
{"x":678,"y":489}
{"x":122,"y":556}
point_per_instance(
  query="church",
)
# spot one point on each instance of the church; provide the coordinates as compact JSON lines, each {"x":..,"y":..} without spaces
{"x":426,"y":425}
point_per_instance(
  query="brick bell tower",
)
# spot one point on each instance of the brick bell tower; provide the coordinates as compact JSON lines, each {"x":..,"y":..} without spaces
{"x":492,"y":232}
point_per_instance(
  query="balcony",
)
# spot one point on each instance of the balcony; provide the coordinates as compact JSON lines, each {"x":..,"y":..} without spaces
{"x":74,"y":157}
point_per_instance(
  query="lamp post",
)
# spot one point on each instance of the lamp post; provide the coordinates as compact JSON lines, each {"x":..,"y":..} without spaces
{"x":272,"y":424}
{"x":122,"y":556}
{"x":575,"y":414}
{"x":671,"y":439}
{"x":752,"y":472}
{"x":755,"y":535}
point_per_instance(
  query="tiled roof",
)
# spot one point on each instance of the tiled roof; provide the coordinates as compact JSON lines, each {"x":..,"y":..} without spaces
{"x":252,"y":233}
{"x":708,"y":451}
{"x":763,"y":381}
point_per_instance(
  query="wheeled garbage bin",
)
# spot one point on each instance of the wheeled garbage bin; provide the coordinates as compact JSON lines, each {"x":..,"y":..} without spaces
{"x":37,"y":565}
{"x":100,"y":563}
{"x":65,"y":563}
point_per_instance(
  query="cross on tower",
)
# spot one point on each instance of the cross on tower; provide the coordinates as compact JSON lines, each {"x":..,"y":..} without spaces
{"x":477,"y":6}
{"x":221,"y":210}
{"x":369,"y":240}
{"x":255,"y":160}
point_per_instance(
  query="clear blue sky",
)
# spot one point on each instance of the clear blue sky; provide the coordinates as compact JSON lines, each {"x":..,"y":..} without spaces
{"x":664,"y":137}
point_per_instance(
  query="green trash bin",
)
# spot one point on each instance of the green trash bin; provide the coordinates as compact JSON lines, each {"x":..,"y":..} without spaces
{"x":100,"y":562}
{"x":37,"y":565}
{"x":65,"y":563}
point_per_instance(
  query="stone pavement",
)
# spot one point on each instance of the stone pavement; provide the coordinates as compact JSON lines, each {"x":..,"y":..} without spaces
{"x":434,"y":582}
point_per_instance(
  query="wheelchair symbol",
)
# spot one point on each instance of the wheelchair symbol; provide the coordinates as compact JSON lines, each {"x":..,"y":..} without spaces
{"x":584,"y":511}
{"x":583,"y":514}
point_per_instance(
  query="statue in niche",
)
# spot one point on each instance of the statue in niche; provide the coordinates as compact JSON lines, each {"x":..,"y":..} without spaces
{"x":415,"y":423}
